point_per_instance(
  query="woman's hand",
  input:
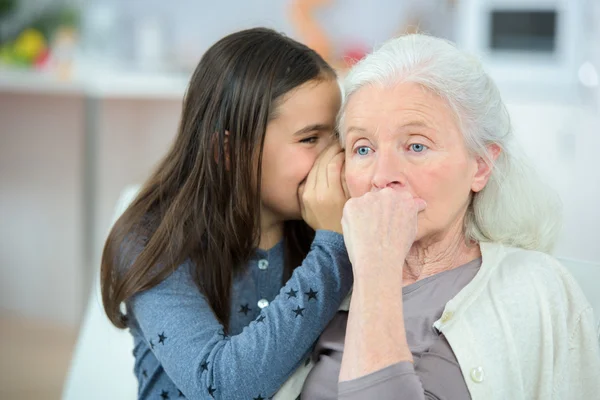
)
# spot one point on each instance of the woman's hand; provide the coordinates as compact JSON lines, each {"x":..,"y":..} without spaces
{"x":322,"y":195}
{"x":380,"y":228}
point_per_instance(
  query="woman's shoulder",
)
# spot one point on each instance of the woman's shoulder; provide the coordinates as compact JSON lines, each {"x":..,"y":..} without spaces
{"x":534,"y":272}
{"x":529,"y":262}
{"x":501,"y":258}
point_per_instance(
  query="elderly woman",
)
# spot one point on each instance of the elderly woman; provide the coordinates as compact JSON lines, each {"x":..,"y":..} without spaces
{"x":448,"y":231}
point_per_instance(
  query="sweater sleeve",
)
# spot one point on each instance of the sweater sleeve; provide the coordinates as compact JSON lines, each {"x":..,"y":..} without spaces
{"x":204,"y":363}
{"x":398,"y":382}
{"x":435,"y":376}
{"x":578,"y":378}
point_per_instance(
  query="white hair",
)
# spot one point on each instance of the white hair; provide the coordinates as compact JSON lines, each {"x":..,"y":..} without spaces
{"x":515,"y":208}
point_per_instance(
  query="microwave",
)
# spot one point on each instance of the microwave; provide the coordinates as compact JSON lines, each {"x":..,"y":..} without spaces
{"x":525,"y":44}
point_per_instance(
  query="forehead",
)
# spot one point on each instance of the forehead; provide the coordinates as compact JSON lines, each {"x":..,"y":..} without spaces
{"x":317,"y":99}
{"x":400,"y":103}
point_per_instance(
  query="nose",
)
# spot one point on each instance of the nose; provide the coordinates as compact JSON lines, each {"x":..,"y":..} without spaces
{"x":389,"y":171}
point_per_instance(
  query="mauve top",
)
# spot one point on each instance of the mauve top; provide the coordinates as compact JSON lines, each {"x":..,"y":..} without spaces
{"x":435,"y":373}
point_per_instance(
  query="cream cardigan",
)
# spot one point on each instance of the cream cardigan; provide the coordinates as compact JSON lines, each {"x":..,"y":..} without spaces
{"x":521,"y":329}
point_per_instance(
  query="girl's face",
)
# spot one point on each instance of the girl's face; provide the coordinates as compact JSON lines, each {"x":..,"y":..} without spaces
{"x":303,"y":126}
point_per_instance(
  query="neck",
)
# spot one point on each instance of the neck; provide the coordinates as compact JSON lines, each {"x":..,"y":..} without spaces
{"x":271,"y":230}
{"x":439,"y":253}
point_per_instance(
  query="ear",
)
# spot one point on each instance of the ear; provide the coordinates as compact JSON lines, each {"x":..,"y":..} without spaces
{"x":484,"y":170}
{"x":225,"y":149}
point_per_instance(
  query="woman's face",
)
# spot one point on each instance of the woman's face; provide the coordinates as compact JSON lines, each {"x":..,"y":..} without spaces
{"x":302,"y":128}
{"x":407,"y":138}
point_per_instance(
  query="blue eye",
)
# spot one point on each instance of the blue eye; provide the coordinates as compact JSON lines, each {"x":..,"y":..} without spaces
{"x":417,"y":147}
{"x":363,"y":150}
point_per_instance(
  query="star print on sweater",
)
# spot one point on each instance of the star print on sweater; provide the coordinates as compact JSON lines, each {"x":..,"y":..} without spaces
{"x":311,"y":294}
{"x":299,"y":312}
{"x":162,"y":338}
{"x":211,"y":391}
{"x":165,"y":395}
{"x":291,"y":293}
{"x":204,"y":366}
{"x":245,"y":309}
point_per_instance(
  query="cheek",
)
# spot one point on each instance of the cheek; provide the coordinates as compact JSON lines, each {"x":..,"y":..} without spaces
{"x":445,"y":183}
{"x":357,"y":181}
{"x":424,"y":182}
{"x":297,"y":170}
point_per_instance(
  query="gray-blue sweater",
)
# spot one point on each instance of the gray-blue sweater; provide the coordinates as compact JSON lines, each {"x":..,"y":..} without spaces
{"x":181,"y":350}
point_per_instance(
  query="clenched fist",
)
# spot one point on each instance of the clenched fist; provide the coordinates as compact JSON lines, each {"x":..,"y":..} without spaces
{"x":380,"y":228}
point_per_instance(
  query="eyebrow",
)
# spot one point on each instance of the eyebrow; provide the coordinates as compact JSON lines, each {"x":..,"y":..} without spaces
{"x":313,"y":128}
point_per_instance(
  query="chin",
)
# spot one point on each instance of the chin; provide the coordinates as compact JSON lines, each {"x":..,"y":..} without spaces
{"x":421,"y":234}
{"x":293,"y":216}
{"x":289,"y":214}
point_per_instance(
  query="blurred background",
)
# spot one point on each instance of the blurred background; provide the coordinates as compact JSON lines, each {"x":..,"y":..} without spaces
{"x":90,"y":96}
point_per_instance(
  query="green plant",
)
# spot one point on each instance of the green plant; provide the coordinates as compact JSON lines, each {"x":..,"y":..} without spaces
{"x":6,"y":7}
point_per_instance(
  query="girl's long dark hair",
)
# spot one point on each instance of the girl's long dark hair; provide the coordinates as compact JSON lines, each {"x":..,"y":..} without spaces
{"x":202,"y":203}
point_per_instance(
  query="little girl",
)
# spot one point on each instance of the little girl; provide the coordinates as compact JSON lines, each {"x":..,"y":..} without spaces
{"x":200,"y":257}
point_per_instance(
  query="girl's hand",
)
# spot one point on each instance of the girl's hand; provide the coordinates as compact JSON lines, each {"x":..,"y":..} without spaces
{"x":322,"y":195}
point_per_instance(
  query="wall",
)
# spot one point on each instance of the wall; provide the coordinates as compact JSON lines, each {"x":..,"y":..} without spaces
{"x":41,"y":210}
{"x":43,"y":269}
{"x":563,"y":141}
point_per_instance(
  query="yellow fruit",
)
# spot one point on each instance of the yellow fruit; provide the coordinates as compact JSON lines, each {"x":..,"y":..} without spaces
{"x":29,"y":44}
